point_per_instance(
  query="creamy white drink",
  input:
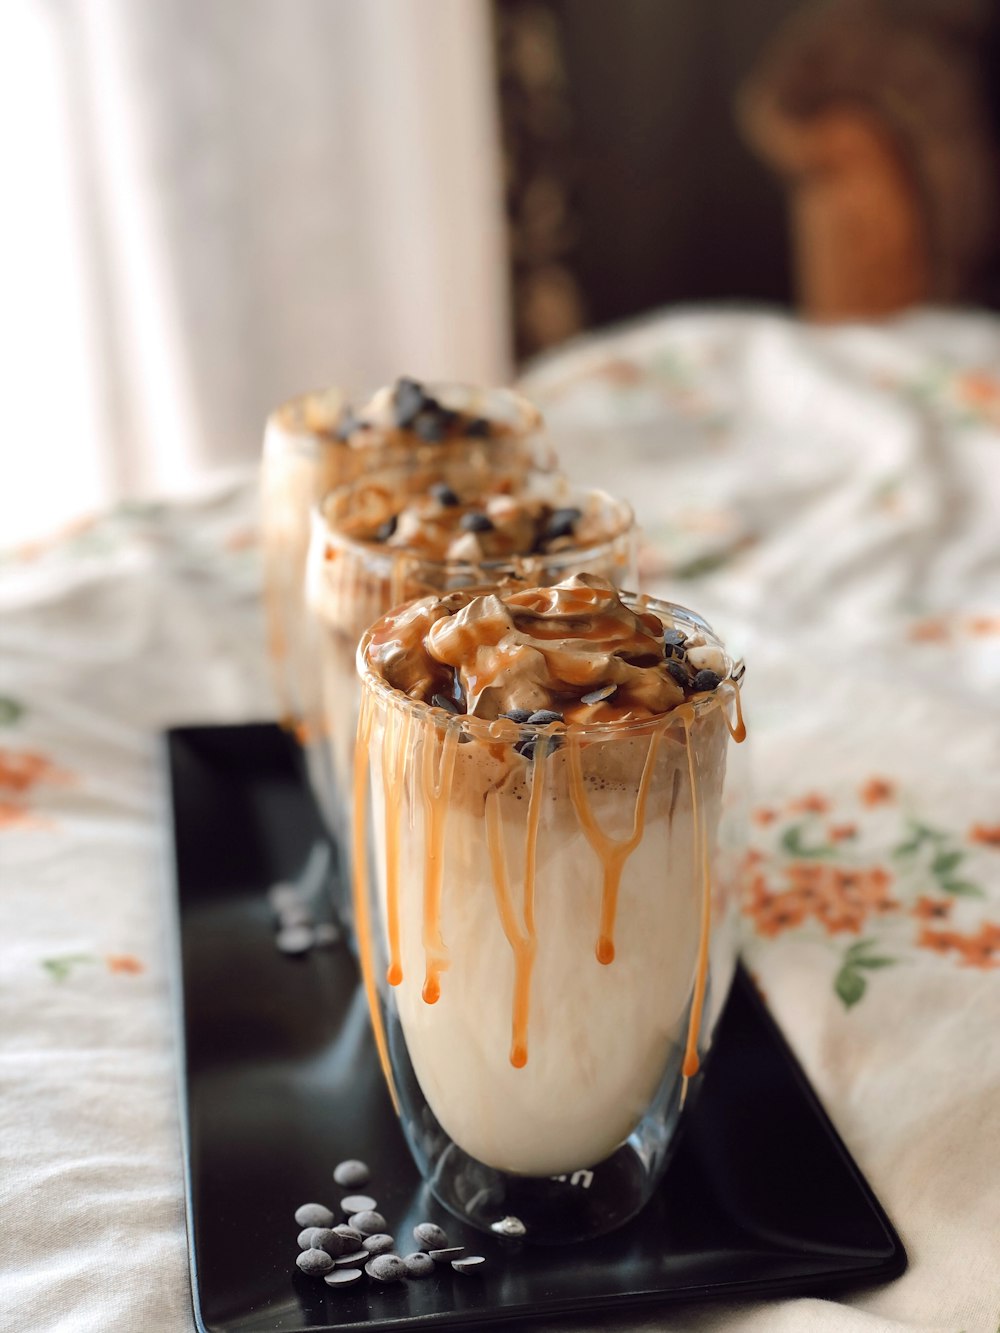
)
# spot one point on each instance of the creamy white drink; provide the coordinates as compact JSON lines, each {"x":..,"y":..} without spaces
{"x":545,"y":772}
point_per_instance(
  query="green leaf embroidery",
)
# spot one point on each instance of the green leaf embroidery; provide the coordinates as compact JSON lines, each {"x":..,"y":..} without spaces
{"x":849,"y":985}
{"x":907,"y":848}
{"x":945,"y":862}
{"x":860,"y":946}
{"x":961,"y":888}
{"x":60,"y":968}
{"x":874,"y":962}
{"x":791,"y":841}
{"x":10,"y":711}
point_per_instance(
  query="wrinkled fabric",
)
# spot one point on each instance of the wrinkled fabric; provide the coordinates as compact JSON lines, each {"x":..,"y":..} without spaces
{"x":830,"y":499}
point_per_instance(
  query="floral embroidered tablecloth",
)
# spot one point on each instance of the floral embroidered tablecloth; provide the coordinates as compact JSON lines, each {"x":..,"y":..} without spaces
{"x":831,"y":499}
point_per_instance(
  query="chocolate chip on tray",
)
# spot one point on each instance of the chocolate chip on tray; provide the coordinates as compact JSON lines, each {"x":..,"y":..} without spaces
{"x":351,"y":1173}
{"x":353,"y":1259}
{"x":349,"y":1233}
{"x":470,"y":1264}
{"x":597,"y":696}
{"x":357,"y":1203}
{"x":385,"y":530}
{"x":509,"y":1226}
{"x":295,"y":939}
{"x":430,"y":1236}
{"x":705,"y":680}
{"x":445,"y":1256}
{"x":386,"y":1268}
{"x":408,"y":399}
{"x":418,"y":1264}
{"x":314,"y":1262}
{"x":343,"y":1277}
{"x":561,"y":523}
{"x":442,"y":701}
{"x":542,"y":716}
{"x":322,"y":1238}
{"x":368,"y":1222}
{"x":475,"y":522}
{"x":380,"y":1243}
{"x":313,"y":1215}
{"x":305,"y":1238}
{"x":444,"y":495}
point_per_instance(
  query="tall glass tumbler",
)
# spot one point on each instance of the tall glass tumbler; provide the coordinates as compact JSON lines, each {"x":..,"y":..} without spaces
{"x":546,"y":944}
{"x":350,"y":583}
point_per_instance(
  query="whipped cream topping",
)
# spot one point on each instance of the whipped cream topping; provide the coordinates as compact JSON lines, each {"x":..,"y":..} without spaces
{"x":575,"y":651}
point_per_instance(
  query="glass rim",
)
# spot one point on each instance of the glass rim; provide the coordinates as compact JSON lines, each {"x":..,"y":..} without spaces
{"x":505,"y":730}
{"x":497,"y":568}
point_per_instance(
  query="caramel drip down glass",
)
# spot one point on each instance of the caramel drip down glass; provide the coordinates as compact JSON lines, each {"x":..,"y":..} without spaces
{"x":546,"y":943}
{"x":351,"y":583}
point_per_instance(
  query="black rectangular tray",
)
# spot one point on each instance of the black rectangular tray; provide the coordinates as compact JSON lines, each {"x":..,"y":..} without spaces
{"x":281,"y":1081}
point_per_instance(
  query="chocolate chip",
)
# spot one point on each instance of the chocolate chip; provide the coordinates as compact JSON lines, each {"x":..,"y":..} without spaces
{"x":561,"y":523}
{"x":674,"y":637}
{"x":430,"y":1236}
{"x":596,"y":696}
{"x":676,"y":672}
{"x":444,"y":495}
{"x":353,"y":1258}
{"x":705,"y":680}
{"x":295,"y":940}
{"x":380,"y":1243}
{"x":368,"y":1222}
{"x":343,"y":1277}
{"x":517,"y":714}
{"x":431,"y":424}
{"x":349,"y":1233}
{"x":348,"y":424}
{"x":543,"y":716}
{"x":475,"y":522}
{"x":358,"y":1203}
{"x":314,"y":1262}
{"x":313,"y":1215}
{"x":408,"y":399}
{"x":386,"y":1268}
{"x":351,"y":1173}
{"x":442,"y":701}
{"x":526,"y":748}
{"x":418,"y":1264}
{"x":470,"y":1264}
{"x":385,"y":530}
{"x":477,"y":429}
{"x":308,"y":1235}
{"x":446,"y":1256}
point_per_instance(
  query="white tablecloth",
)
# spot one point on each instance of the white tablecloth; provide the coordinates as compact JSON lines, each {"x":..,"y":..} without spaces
{"x":831,"y":498}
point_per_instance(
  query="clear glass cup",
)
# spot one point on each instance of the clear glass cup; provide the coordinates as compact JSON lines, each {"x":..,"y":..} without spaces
{"x":546,"y":944}
{"x":305,"y":457}
{"x":351,"y":583}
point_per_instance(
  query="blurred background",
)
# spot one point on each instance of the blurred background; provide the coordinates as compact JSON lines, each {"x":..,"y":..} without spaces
{"x":211,"y":205}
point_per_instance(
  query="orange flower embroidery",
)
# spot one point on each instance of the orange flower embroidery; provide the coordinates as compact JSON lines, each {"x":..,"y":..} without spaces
{"x":22,"y":770}
{"x":13,"y":815}
{"x":979,"y":388}
{"x":987,"y":834}
{"x":930,"y":630}
{"x":124,"y":962}
{"x":839,"y":832}
{"x":979,"y":949}
{"x":876,"y":791}
{"x":938,"y":941}
{"x":764,"y":816}
{"x":810,"y":804}
{"x":839,"y":899}
{"x":983,"y":626}
{"x":931,"y":909}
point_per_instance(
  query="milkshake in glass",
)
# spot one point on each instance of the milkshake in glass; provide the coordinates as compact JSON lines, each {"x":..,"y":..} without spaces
{"x":544,"y":889}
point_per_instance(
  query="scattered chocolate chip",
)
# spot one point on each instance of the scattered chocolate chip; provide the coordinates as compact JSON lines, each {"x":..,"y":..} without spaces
{"x":306,"y":1237}
{"x":313,"y":1215}
{"x":444,"y":495}
{"x":509,"y":1226}
{"x":542,"y":716}
{"x":517,"y":714}
{"x":676,"y":672}
{"x":418,"y":1264}
{"x":343,"y":1277}
{"x":705,"y":680}
{"x":470,"y":1264}
{"x":386,"y":1268}
{"x":442,"y":701}
{"x":430,"y":1236}
{"x":408,"y":399}
{"x":367,"y":1221}
{"x":561,"y":523}
{"x":380,"y":1243}
{"x":295,"y":939}
{"x":476,"y":522}
{"x":349,"y":1233}
{"x":445,"y":1256}
{"x":351,"y":1173}
{"x":358,"y":1203}
{"x":353,"y":1258}
{"x":477,"y":429}
{"x":597,"y":696}
{"x":385,"y":530}
{"x":314,"y":1262}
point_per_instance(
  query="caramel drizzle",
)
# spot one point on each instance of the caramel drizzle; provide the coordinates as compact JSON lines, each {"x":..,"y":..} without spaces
{"x":612,"y":852}
{"x":522,"y":940}
{"x":394,"y":755}
{"x":362,"y":918}
{"x":737,"y":729}
{"x":436,"y":789}
{"x":691,"y":1063}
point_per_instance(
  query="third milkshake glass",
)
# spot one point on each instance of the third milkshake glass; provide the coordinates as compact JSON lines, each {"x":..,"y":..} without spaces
{"x":545,"y":891}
